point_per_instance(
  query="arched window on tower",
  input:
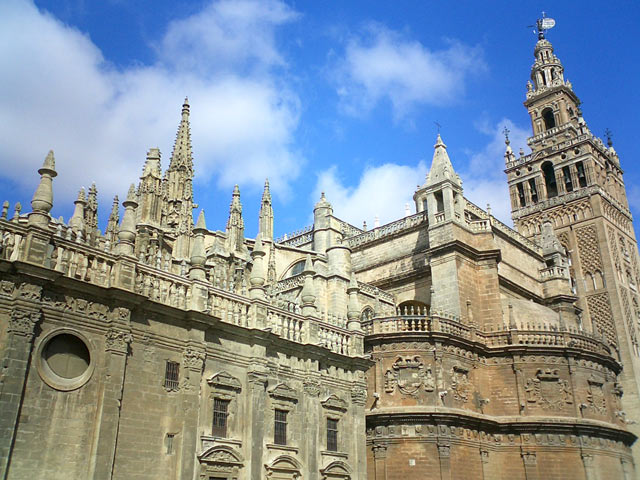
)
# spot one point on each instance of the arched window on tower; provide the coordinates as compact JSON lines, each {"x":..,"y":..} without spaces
{"x":549,"y":179}
{"x":439,"y":202}
{"x":549,"y":119}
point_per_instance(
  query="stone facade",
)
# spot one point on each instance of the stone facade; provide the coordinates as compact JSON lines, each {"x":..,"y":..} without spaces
{"x":444,"y":345}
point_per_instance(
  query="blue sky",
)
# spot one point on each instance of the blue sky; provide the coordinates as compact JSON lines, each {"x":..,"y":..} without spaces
{"x":334,"y":96}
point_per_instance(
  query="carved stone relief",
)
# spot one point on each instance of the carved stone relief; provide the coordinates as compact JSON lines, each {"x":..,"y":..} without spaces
{"x":460,"y":385}
{"x":409,"y":375}
{"x":595,"y":396}
{"x":548,"y":390}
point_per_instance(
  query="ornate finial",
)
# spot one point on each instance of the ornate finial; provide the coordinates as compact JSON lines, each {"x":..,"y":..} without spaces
{"x":201,"y":224}
{"x":131,"y":194}
{"x":608,"y":134}
{"x":506,"y":133}
{"x":185,"y":106}
{"x":438,"y":126}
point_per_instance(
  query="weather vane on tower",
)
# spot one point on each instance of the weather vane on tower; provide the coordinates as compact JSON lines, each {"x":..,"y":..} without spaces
{"x":542,"y":25}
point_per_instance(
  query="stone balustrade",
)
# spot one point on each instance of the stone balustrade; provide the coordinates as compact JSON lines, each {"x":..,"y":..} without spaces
{"x":389,"y":229}
{"x":541,"y":335}
{"x":86,"y":263}
{"x":556,"y":271}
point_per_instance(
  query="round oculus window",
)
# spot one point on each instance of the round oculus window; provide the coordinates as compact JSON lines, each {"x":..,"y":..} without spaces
{"x":67,"y":356}
{"x":65,"y":360}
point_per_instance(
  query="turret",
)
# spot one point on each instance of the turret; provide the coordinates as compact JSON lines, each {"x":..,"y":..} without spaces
{"x":127,"y":232}
{"x":322,"y":213}
{"x":257,"y":277}
{"x":42,"y":201}
{"x":308,"y":294}
{"x":353,"y":306}
{"x":77,"y":219}
{"x":443,"y":188}
{"x":198,"y":256}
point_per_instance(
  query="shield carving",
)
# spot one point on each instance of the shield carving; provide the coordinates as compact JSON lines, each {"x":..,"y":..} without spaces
{"x":410,"y":374}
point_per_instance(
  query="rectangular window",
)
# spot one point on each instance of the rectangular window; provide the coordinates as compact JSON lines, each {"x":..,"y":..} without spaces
{"x":170,"y":437}
{"x":521,"y":197}
{"x":582,"y":177}
{"x":171,"y":375}
{"x":568,"y":184}
{"x":220,"y":414}
{"x":280,"y":427}
{"x":534,"y":190}
{"x":332,"y":435}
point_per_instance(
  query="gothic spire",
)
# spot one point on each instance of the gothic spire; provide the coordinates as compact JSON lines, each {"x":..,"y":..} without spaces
{"x":265,"y":219}
{"x":235,"y":223}
{"x":441,"y":167}
{"x":181,"y":156}
{"x":177,"y":186}
{"x":114,"y":219}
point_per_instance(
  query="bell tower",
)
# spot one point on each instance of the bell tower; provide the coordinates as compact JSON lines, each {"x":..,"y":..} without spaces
{"x":574,"y":181}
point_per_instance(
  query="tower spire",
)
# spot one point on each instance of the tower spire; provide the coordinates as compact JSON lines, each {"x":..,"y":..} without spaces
{"x":441,"y":167}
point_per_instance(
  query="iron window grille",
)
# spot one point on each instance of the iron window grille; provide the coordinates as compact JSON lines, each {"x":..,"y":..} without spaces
{"x":171,"y":375}
{"x":220,"y":414}
{"x":280,"y":427}
{"x":332,"y":435}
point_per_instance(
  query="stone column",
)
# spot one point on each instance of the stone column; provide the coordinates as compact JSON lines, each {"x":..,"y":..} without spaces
{"x":15,"y":363}
{"x":530,"y":465}
{"x":311,"y":426}
{"x":359,"y":434}
{"x":587,"y":461}
{"x":257,"y":416}
{"x":380,"y":461}
{"x":484,"y":459}
{"x":193,"y":358}
{"x":107,"y":422}
{"x":444,"y":453}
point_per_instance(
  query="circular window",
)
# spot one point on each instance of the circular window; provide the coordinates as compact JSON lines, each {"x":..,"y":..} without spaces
{"x":64,"y":360}
{"x":67,"y":356}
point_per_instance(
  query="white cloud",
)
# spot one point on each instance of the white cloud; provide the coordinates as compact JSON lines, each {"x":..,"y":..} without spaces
{"x":484,"y":178}
{"x":231,"y":33}
{"x":383,"y":64}
{"x":59,"y":92}
{"x":382,"y":191}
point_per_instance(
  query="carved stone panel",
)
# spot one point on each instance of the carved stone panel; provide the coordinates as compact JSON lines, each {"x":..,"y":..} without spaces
{"x":460,"y":385}
{"x":409,"y":375}
{"x":596,"y":401}
{"x":548,"y":390}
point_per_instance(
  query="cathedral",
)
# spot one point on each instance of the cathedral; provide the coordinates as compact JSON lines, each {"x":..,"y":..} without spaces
{"x":442,"y":346}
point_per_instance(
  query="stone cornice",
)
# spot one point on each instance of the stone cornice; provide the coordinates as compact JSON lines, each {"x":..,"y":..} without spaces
{"x":507,"y":424}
